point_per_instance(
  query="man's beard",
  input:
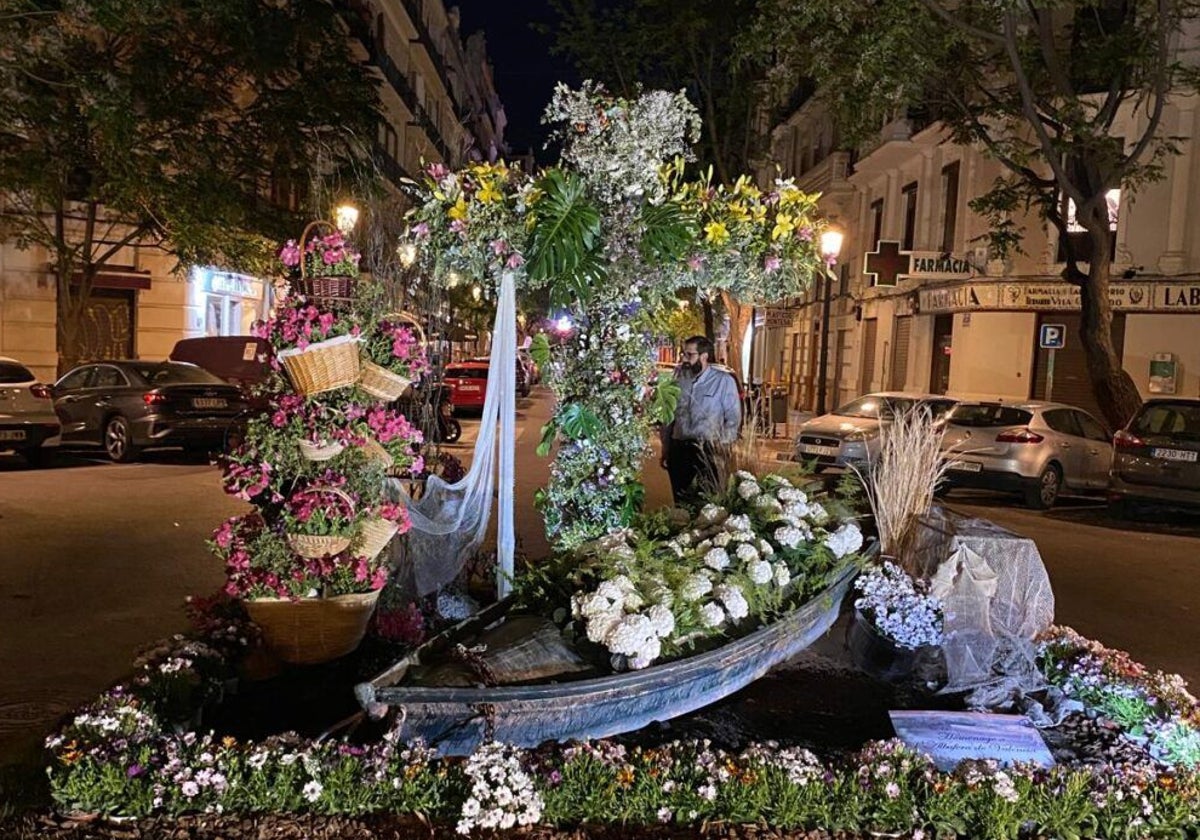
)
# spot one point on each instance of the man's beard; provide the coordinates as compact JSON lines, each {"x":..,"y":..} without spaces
{"x":695,"y":367}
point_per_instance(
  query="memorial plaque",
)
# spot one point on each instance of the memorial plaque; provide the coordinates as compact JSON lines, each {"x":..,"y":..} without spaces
{"x":951,"y":737}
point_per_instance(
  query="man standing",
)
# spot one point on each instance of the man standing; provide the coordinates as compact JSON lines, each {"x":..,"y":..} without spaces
{"x":696,"y":443}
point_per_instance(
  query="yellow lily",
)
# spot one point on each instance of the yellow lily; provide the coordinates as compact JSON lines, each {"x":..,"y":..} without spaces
{"x":784,"y":225}
{"x":488,"y":193}
{"x":716,"y":233}
{"x":459,"y":211}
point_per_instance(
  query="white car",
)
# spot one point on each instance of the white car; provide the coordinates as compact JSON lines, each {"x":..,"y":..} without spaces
{"x":28,"y":424}
{"x":849,"y":435}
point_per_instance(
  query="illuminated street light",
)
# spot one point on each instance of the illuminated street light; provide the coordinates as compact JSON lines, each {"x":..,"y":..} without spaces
{"x":831,"y":246}
{"x":407,"y":252}
{"x":346,"y":217}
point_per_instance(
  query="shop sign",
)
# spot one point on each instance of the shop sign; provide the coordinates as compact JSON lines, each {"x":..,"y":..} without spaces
{"x":230,"y":284}
{"x":959,"y":298}
{"x":1177,"y":297}
{"x":888,"y":263}
{"x":778,"y":316}
{"x":1045,"y":296}
{"x":932,"y":265}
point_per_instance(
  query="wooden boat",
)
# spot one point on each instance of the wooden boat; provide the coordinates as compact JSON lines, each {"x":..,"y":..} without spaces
{"x":456,"y":720}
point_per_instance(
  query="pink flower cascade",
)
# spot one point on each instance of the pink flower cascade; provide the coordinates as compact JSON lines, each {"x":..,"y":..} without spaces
{"x":331,"y":250}
{"x":298,"y":324}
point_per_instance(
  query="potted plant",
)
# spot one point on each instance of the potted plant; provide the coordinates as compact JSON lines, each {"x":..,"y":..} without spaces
{"x":896,"y":621}
{"x":393,"y":355}
{"x":320,"y":520}
{"x":323,"y":268}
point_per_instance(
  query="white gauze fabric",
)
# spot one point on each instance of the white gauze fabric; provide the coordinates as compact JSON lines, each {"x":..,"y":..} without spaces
{"x":450,"y":521}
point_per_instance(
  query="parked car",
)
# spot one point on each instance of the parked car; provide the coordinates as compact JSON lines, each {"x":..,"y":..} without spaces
{"x":241,"y":360}
{"x":849,"y":436}
{"x":28,"y":424}
{"x":124,"y":406}
{"x":1157,"y":456}
{"x":468,"y":384}
{"x":1034,"y":448}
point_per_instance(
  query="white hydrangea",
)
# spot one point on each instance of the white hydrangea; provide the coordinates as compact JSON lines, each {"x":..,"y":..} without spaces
{"x":760,"y":572}
{"x":765,"y":548}
{"x":733,"y":600}
{"x":783,"y":575}
{"x":600,"y":625}
{"x":695,"y":587}
{"x":716,"y":559}
{"x":796,"y":511}
{"x":845,"y":540}
{"x":712,"y":514}
{"x":738,"y":524}
{"x":662,"y":620}
{"x":768,"y":503}
{"x":791,"y":494}
{"x":788,"y":536}
{"x":675,"y":548}
{"x":722,"y":539}
{"x":746,"y":552}
{"x":748,"y":489}
{"x":745,"y":475}
{"x":817,"y":513}
{"x":711,"y":615}
{"x":629,"y":635}
{"x":703,"y":546}
{"x":649,"y":652}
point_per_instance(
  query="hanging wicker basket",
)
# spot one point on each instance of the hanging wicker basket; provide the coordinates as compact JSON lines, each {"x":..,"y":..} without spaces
{"x":374,"y":537}
{"x":315,"y":546}
{"x":309,"y":631}
{"x":324,"y":366}
{"x":321,"y":452}
{"x":381,"y":382}
{"x":326,"y":290}
{"x":374,"y":451}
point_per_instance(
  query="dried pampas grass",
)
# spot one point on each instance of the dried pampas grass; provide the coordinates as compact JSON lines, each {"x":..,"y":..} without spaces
{"x":901,"y":479}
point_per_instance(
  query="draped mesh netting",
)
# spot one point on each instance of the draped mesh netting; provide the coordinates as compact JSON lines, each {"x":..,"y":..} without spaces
{"x":449,"y":521}
{"x":997,"y":599}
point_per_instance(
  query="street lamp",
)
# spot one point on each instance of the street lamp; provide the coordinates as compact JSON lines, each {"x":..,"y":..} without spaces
{"x":407,"y":252}
{"x":831,"y":246}
{"x":345,"y":217}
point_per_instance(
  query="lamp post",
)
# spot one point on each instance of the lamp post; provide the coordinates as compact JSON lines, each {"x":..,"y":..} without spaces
{"x":831,"y":246}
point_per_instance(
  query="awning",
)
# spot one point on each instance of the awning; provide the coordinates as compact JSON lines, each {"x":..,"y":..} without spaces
{"x":117,"y":278}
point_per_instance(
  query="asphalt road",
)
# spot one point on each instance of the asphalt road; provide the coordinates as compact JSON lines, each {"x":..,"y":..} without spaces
{"x":96,"y":560}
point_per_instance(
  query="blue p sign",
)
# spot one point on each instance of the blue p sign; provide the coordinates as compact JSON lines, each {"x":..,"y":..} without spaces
{"x":1053,"y":336}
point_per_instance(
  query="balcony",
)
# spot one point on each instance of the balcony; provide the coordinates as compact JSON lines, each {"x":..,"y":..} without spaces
{"x":894,"y":144}
{"x":828,"y":175}
{"x":415,"y":9}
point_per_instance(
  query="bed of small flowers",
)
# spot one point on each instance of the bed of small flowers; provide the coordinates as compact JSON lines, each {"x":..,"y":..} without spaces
{"x":675,"y":582}
{"x":1153,"y":709}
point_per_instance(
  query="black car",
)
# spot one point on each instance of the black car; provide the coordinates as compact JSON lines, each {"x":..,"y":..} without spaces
{"x":126,"y":406}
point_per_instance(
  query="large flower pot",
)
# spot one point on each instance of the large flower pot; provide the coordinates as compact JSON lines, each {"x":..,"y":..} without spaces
{"x":875,"y":654}
{"x":309,"y":631}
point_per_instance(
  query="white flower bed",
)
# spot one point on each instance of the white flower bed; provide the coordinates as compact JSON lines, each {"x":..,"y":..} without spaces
{"x":897,"y":608}
{"x":736,"y":560}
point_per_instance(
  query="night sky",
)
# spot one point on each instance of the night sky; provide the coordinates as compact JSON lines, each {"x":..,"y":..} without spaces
{"x":525,"y":71}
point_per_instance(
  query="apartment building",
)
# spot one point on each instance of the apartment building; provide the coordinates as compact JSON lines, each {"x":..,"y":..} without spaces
{"x":918,"y":305}
{"x":440,"y":105}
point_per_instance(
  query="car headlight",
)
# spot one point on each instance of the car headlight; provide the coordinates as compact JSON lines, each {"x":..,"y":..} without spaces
{"x":864,"y":434}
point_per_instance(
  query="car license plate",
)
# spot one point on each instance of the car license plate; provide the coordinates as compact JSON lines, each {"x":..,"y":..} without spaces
{"x":209,"y":402}
{"x":964,"y":466}
{"x":813,"y":449}
{"x":16,"y":434}
{"x":465,"y":388}
{"x":1174,"y":454}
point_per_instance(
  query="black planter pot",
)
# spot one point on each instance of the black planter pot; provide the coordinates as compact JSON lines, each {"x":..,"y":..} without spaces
{"x":875,"y":654}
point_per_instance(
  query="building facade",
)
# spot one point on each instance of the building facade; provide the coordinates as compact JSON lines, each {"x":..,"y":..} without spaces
{"x":917,"y":305}
{"x":439,"y":104}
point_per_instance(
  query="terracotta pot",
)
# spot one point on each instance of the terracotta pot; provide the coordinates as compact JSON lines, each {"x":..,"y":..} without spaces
{"x":309,"y":631}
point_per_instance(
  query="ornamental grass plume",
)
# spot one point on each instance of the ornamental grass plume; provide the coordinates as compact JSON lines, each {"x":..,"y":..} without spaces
{"x":901,"y":479}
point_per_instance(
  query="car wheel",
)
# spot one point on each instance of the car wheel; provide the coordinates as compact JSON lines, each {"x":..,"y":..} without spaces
{"x":1043,"y":492}
{"x":118,"y":440}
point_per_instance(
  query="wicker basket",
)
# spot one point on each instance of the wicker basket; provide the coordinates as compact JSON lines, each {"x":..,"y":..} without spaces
{"x":381,"y":383}
{"x":315,"y":452}
{"x":324,"y":366}
{"x":313,"y":630}
{"x":315,"y":546}
{"x":375,"y":451}
{"x":374,"y":537}
{"x":329,"y":290}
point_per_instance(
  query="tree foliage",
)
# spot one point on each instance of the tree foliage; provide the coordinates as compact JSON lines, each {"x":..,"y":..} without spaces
{"x":1040,"y":86}
{"x":162,"y":123}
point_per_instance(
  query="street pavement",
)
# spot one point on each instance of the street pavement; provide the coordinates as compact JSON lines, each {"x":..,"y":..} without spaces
{"x":96,"y":560}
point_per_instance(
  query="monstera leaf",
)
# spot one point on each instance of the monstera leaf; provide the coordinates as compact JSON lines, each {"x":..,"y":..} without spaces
{"x":665,"y":399}
{"x":564,"y":251}
{"x":578,"y":421}
{"x":669,"y":231}
{"x":539,"y":350}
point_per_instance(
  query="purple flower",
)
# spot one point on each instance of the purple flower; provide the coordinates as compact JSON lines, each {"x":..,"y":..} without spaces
{"x":134,"y":771}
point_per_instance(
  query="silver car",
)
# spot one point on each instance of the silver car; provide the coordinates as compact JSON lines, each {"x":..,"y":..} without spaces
{"x":850,"y":435}
{"x":28,"y":423}
{"x":1036,"y":449}
{"x":1158,"y":456}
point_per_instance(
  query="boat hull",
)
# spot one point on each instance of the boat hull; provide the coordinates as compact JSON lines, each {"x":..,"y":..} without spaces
{"x":457,"y":720}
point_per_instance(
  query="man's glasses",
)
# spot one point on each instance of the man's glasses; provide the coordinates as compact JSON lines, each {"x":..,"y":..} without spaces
{"x":691,"y":355}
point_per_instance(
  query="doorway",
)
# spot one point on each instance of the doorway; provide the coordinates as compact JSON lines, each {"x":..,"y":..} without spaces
{"x":939,"y":364}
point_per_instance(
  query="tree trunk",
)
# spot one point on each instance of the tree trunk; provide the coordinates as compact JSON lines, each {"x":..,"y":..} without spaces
{"x":739,"y":321}
{"x":1115,"y":390}
{"x":709,"y":329}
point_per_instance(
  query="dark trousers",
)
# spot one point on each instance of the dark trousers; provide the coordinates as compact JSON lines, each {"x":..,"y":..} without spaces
{"x":693,"y":468}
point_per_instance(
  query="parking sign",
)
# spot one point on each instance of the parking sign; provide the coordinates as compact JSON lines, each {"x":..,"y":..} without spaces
{"x":1053,"y":336}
